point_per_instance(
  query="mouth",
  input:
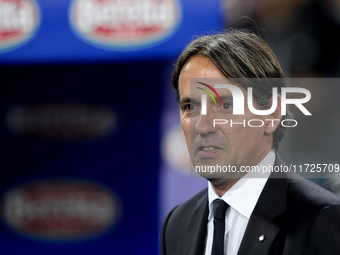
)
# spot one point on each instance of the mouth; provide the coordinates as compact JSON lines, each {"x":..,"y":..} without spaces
{"x":208,"y":151}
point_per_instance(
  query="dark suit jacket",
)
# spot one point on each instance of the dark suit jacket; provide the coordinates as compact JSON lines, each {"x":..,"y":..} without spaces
{"x":295,"y":216}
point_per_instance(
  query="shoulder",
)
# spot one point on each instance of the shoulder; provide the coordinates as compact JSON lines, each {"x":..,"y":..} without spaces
{"x":302,"y":194}
{"x":183,"y":209}
{"x":319,"y":209}
{"x":305,"y":212}
{"x":297,"y":202}
{"x":306,"y":195}
{"x":185,"y":225}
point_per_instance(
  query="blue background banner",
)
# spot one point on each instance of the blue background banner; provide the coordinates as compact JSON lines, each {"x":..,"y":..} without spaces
{"x":55,"y":40}
{"x":81,"y":130}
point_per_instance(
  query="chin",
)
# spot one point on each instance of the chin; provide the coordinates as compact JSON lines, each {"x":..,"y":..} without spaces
{"x":220,"y":180}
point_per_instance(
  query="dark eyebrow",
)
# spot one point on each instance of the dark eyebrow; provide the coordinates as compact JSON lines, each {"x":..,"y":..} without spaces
{"x":186,"y":100}
{"x":228,"y":97}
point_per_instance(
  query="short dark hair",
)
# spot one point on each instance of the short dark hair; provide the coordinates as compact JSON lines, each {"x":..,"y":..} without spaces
{"x":238,"y":55}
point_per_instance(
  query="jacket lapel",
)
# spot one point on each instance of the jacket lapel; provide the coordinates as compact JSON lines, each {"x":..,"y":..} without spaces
{"x":198,"y":227}
{"x":261,"y":229}
{"x":258,"y":227}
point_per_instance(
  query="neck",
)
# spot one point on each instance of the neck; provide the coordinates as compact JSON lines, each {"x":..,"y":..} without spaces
{"x":221,"y":186}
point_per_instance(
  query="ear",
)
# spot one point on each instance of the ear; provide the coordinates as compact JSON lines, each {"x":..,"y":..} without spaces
{"x":273,"y":120}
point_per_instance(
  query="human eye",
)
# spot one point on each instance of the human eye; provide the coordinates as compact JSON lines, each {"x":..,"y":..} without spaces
{"x":189,"y":107}
{"x":226,"y":106}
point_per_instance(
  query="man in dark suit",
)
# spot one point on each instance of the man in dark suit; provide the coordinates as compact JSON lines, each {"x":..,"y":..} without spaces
{"x":279,"y":213}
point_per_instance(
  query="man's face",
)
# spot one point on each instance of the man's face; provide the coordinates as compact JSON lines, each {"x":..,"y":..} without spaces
{"x":223,"y":145}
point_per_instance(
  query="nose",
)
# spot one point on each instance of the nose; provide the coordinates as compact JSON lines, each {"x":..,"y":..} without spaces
{"x":204,"y":126}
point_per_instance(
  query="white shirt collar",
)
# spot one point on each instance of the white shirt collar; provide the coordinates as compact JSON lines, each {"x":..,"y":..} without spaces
{"x":243,"y":195}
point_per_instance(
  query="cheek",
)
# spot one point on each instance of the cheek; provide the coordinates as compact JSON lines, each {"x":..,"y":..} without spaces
{"x":238,"y":137}
{"x":254,"y":126}
{"x":186,"y":128}
{"x":187,"y":133}
{"x":251,"y":138}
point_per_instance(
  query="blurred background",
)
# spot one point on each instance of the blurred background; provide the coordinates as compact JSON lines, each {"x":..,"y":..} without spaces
{"x":92,"y":152}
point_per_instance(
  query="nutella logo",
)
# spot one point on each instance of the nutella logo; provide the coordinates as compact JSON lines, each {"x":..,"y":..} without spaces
{"x":19,"y":20}
{"x":124,"y":24}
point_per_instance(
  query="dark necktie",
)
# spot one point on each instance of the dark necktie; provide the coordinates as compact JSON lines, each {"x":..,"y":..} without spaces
{"x":220,"y":207}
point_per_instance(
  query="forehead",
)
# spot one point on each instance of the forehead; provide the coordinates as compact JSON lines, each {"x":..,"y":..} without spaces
{"x":199,"y":67}
{"x":196,"y":67}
